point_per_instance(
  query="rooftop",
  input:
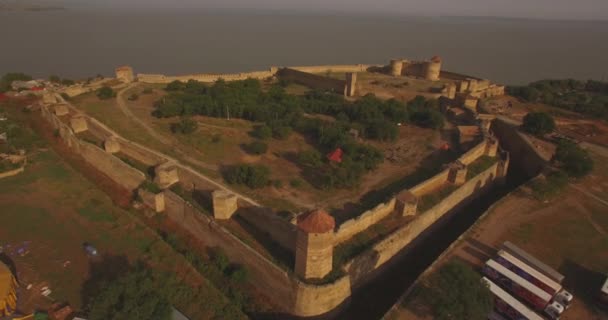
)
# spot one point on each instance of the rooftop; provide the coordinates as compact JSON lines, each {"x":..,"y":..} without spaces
{"x":317,"y":221}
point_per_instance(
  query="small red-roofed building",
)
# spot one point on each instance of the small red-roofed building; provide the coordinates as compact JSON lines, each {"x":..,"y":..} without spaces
{"x":336,"y":155}
{"x":315,"y":244}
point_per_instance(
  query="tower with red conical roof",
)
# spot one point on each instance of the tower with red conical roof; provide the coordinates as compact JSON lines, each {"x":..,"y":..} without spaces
{"x":315,"y":244}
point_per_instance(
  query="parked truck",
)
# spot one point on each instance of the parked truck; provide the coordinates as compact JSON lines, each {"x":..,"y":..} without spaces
{"x":532,"y":261}
{"x":538,"y":279}
{"x":523,"y":289}
{"x":506,"y":306}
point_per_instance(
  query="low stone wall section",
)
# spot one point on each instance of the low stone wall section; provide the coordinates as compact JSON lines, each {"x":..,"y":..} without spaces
{"x":351,"y":227}
{"x":11,"y":173}
{"x":364,"y":264}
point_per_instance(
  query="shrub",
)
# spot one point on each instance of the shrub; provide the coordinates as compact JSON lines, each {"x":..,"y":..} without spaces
{"x":262,"y":132}
{"x":281,"y":132}
{"x":277,"y":184}
{"x":428,"y":118}
{"x":310,"y":158}
{"x":147,"y":91}
{"x":175,"y":86}
{"x":457,"y":292}
{"x":296,"y":183}
{"x":573,"y":159}
{"x":239,"y":274}
{"x":252,"y":176}
{"x":538,"y":123}
{"x":550,"y":186}
{"x":105,"y":93}
{"x":216,"y":138}
{"x":184,"y":126}
{"x":256,"y":147}
{"x":133,"y":97}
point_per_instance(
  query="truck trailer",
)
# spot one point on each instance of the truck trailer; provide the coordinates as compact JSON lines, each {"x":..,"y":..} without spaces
{"x":536,"y":278}
{"x":506,"y":306}
{"x":523,"y":289}
{"x":532,"y":261}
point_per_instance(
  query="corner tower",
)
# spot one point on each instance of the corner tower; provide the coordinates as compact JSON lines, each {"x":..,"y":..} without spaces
{"x":314,"y":244}
{"x":432,"y":69}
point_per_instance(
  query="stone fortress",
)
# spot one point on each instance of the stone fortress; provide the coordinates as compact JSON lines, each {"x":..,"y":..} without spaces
{"x":312,"y":236}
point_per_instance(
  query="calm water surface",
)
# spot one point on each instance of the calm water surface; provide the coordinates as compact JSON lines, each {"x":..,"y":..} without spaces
{"x":83,"y":43}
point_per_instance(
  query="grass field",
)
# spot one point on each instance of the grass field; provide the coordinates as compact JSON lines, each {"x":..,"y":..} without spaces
{"x":51,"y":210}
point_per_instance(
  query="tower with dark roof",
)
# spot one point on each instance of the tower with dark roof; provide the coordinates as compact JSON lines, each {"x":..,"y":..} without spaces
{"x":315,"y":244}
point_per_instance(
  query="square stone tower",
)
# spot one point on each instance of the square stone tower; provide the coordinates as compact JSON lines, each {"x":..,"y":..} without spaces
{"x":224,"y":204}
{"x":125,"y":74}
{"x":314,"y":244}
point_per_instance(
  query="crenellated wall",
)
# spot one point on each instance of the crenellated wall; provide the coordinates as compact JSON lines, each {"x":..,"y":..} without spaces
{"x":431,"y":184}
{"x":363,"y":265}
{"x":474,"y":153}
{"x":120,"y":172}
{"x":350,"y":228}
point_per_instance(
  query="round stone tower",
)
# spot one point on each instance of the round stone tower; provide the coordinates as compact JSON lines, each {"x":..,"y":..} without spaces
{"x":396,"y":67}
{"x":314,"y":244}
{"x":433,"y":69}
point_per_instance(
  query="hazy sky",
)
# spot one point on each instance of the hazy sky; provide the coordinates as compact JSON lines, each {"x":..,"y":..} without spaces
{"x":547,"y":9}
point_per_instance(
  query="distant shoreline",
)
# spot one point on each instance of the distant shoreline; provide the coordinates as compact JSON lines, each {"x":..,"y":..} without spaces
{"x":4,"y":8}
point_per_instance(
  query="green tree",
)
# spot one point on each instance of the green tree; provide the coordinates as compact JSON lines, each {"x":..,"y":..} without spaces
{"x":457,"y":292}
{"x":256,"y":147}
{"x":105,"y":93}
{"x":252,"y":176}
{"x":184,"y":126}
{"x":538,"y":123}
{"x":262,"y":132}
{"x":54,"y":78}
{"x":132,"y":296}
{"x":573,"y":159}
{"x":310,"y":158}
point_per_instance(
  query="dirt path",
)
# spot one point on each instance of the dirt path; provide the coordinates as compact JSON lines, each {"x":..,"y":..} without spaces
{"x":122,"y":105}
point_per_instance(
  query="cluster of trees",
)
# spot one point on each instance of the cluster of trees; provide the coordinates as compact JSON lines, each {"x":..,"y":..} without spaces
{"x":256,"y":147}
{"x":105,"y":93}
{"x":538,"y":123}
{"x":281,"y":113}
{"x":135,"y":295}
{"x":7,"y":79}
{"x":252,"y":176}
{"x":456,"y":291}
{"x":585,"y":97}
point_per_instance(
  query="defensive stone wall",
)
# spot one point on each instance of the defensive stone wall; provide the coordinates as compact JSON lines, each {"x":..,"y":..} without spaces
{"x":521,"y":149}
{"x":313,"y":80}
{"x":334,"y":68}
{"x":431,"y":184}
{"x":474,"y":153}
{"x":264,"y":219}
{"x":350,"y":228}
{"x":114,"y":168}
{"x":362,"y":265}
{"x":206,"y":77}
{"x":11,"y":173}
{"x":292,"y":295}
